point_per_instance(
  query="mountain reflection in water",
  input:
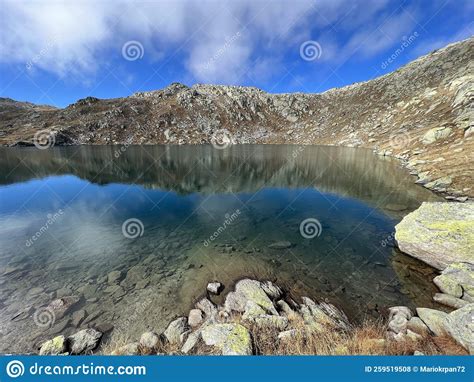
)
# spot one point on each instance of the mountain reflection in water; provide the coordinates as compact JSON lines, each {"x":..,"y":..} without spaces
{"x":182,"y":195}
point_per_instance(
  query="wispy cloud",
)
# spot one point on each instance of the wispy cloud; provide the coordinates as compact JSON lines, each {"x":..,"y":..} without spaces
{"x":213,"y":41}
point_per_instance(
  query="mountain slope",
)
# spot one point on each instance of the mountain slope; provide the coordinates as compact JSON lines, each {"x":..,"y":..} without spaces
{"x":422,"y":113}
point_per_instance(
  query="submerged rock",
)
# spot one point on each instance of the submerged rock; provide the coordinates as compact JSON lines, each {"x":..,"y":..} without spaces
{"x":438,"y":233}
{"x":230,"y":339}
{"x":280,"y":245}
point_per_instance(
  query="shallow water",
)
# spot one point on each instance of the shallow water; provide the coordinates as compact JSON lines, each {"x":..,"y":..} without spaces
{"x":201,"y":213}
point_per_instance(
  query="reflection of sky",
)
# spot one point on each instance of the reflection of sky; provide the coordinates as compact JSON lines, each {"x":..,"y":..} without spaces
{"x":93,"y":214}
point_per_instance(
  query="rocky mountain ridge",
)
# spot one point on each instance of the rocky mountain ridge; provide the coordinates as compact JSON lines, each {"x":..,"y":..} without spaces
{"x":421,"y":113}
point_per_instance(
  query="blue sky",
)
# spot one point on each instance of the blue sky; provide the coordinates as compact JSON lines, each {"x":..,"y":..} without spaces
{"x":55,"y":52}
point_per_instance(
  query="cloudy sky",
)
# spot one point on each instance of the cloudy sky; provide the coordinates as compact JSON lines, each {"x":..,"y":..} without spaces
{"x":56,"y":52}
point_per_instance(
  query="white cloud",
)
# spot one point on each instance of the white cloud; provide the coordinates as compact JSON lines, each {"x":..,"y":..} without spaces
{"x":78,"y":39}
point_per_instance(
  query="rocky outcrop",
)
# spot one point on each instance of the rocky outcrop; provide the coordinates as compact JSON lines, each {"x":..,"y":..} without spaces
{"x":421,"y":113}
{"x":438,"y":234}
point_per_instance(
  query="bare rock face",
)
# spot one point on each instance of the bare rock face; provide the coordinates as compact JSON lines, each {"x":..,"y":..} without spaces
{"x":438,"y":233}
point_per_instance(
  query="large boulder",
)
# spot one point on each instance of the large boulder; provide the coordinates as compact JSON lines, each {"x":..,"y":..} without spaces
{"x":460,"y":325}
{"x":230,"y":339}
{"x":438,"y":233}
{"x":246,"y":290}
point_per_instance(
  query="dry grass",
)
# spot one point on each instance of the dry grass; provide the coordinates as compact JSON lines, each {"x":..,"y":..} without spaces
{"x":364,"y":339}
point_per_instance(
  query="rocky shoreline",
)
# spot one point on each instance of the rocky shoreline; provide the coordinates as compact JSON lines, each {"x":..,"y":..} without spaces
{"x":259,"y":317}
{"x":255,"y":314}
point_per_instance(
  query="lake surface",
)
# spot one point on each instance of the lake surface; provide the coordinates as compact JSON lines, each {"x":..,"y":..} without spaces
{"x":135,"y":233}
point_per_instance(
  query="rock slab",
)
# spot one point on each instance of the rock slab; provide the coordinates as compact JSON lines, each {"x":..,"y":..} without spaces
{"x":438,"y":234}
